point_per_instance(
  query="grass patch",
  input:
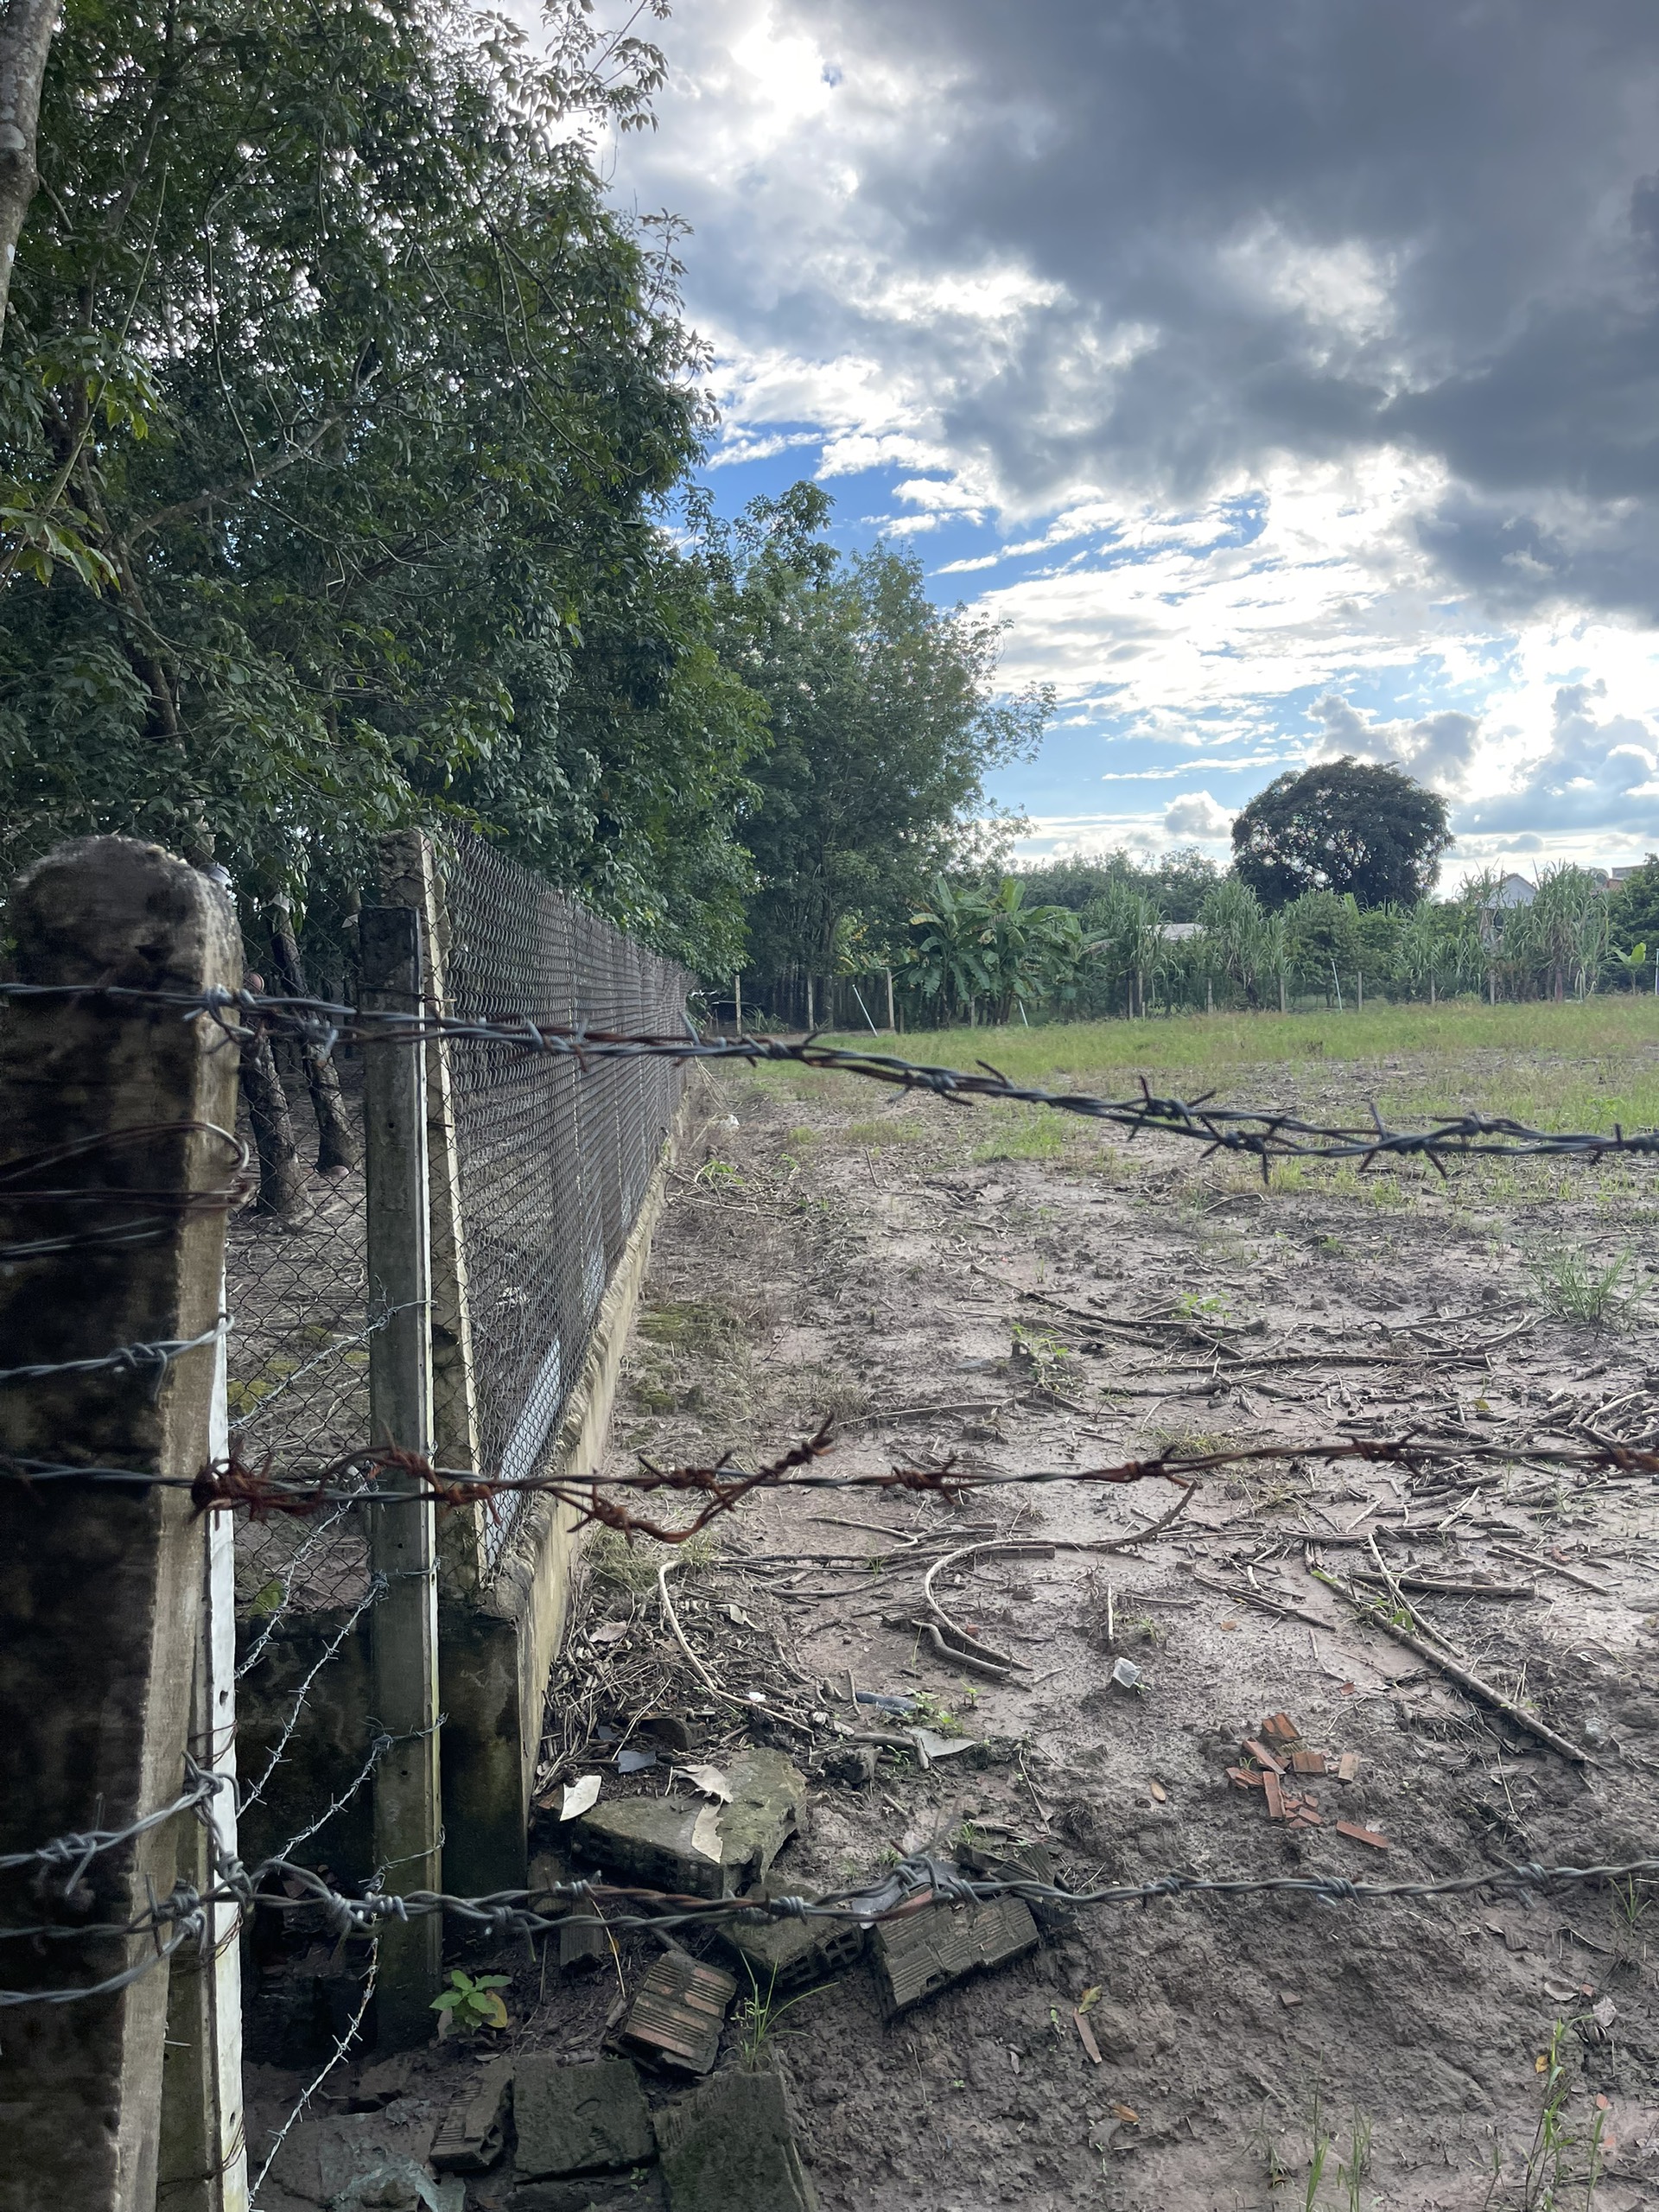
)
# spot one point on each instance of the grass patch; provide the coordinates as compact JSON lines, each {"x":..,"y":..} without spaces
{"x":1575,"y":1065}
{"x":1029,"y":1132}
{"x":632,"y":1564}
{"x":1573,"y":1287}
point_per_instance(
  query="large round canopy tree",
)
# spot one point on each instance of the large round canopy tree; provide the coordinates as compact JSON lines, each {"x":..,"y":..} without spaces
{"x":1344,"y":826}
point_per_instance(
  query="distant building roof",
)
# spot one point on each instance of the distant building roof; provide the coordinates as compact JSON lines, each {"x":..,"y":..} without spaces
{"x":1175,"y":932}
{"x":1514,"y":891}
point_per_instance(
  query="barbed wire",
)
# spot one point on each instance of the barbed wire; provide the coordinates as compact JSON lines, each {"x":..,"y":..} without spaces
{"x":337,"y":1348}
{"x":126,"y":1357}
{"x":233,"y":1484}
{"x":377,"y":1590}
{"x":288,"y":1576}
{"x":71,"y":1855}
{"x":343,"y":2044}
{"x":917,"y":1883}
{"x":17,"y":1190}
{"x":1263,"y":1133}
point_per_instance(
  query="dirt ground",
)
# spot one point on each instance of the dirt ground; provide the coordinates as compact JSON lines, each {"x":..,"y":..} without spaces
{"x":956,"y":1286}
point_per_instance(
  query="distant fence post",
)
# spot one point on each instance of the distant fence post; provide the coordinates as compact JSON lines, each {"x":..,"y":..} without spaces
{"x":403,"y":1626}
{"x":100,"y":1588}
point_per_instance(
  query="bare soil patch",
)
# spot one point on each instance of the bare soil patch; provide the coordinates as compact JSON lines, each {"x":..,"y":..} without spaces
{"x":1068,"y":1306}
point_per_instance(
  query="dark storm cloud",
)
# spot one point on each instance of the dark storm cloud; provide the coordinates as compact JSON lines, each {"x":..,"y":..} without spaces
{"x":1324,"y":227}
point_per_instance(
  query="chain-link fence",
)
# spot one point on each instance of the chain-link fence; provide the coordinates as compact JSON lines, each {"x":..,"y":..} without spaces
{"x":298,"y":1375}
{"x":553,"y":1162}
{"x":553,"y":1165}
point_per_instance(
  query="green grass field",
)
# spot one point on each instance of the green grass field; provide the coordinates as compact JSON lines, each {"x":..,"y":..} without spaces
{"x":1566,"y":1066}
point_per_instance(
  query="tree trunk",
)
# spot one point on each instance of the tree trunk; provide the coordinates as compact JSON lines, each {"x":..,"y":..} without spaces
{"x":281,"y":1178}
{"x":336,"y":1138}
{"x":25,"y":28}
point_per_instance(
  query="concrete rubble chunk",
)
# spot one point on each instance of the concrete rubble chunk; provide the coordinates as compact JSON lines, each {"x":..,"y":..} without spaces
{"x":785,"y":1955}
{"x":1017,"y":1862}
{"x":730,"y":2147}
{"x":679,"y":2011}
{"x":658,"y":1841}
{"x":578,"y":2119}
{"x":470,"y":2135}
{"x":398,"y":2185}
{"x":918,"y":1957}
{"x":639,"y":2191}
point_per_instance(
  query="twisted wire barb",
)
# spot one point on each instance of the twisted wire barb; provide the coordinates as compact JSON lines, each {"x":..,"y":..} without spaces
{"x":128,"y":1358}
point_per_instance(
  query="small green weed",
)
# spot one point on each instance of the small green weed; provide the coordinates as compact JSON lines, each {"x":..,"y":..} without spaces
{"x":1554,"y":2139}
{"x":1040,"y":1350}
{"x":758,"y":2018}
{"x":473,"y":2004}
{"x":1570,"y":1286}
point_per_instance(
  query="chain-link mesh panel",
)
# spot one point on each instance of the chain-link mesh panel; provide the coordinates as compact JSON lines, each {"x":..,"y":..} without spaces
{"x":298,"y":1369}
{"x":554,"y":1163}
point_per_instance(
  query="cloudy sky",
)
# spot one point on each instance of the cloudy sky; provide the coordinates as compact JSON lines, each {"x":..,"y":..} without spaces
{"x":1284,"y":373}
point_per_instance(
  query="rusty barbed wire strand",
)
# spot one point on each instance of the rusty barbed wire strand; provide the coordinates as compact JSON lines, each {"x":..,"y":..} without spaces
{"x":1263,"y":1133}
{"x":233,"y":1484}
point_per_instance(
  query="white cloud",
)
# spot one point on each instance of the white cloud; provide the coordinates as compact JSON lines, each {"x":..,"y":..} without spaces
{"x":1198,"y":816}
{"x":1438,"y":749}
{"x":1276,"y":400}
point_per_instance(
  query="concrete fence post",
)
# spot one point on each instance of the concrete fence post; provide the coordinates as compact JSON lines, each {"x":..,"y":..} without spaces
{"x":204,"y":2141}
{"x":127,"y":1105}
{"x":408,"y":877}
{"x":403,"y":1625}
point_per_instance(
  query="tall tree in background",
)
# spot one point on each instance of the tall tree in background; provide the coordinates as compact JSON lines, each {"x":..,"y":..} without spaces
{"x":883,"y":718}
{"x":25,"y":41}
{"x":1346,"y":826}
{"x":336,"y":411}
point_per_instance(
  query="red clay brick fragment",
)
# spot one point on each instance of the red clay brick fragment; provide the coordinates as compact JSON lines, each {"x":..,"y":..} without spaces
{"x":1348,"y":1766}
{"x":1280,"y":1728}
{"x":1307,"y":1762}
{"x":1263,"y":1756}
{"x":1241,"y":1778}
{"x":1362,"y":1835}
{"x":1275,"y":1796}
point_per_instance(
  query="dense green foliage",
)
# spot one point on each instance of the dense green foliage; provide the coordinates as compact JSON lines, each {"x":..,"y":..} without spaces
{"x":335,"y":411}
{"x":994,"y":949}
{"x":1347,"y":826}
{"x":883,"y":718}
{"x":1177,"y":882}
{"x":1120,"y":956}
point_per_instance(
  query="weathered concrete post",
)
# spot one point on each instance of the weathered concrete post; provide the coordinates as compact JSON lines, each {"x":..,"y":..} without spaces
{"x":100,"y":1586}
{"x":408,"y":877}
{"x":204,"y":2157}
{"x":403,"y":1626}
{"x":484,"y":1812}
